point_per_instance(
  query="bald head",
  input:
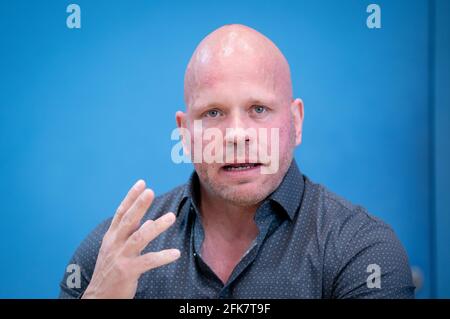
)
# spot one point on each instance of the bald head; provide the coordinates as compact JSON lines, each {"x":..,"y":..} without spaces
{"x":239,"y":52}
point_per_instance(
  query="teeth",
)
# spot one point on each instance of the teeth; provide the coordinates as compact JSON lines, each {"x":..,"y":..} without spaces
{"x":238,"y":168}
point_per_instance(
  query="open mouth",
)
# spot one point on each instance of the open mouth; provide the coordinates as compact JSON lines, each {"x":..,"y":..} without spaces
{"x":241,"y":166}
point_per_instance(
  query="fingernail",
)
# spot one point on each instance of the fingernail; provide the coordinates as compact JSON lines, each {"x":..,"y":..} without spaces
{"x":147,"y":193}
{"x":169,"y":217}
{"x":139,"y":184}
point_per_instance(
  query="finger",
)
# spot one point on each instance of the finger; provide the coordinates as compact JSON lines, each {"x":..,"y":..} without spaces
{"x":153,"y":260}
{"x":146,"y":233}
{"x":130,"y":221}
{"x":126,"y":203}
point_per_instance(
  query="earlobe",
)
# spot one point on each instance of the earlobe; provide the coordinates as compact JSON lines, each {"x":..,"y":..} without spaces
{"x":180,"y":119}
{"x":298,"y":114}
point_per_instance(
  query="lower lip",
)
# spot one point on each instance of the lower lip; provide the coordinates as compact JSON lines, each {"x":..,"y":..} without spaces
{"x":242,"y":172}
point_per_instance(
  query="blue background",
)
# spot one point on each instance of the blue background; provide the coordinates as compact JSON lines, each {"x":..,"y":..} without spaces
{"x":84,"y":113}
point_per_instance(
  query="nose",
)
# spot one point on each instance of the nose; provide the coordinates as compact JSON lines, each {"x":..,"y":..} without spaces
{"x":236,"y":130}
{"x":240,"y":139}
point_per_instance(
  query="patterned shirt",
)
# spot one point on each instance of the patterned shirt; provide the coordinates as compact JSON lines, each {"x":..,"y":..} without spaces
{"x":311,"y":244}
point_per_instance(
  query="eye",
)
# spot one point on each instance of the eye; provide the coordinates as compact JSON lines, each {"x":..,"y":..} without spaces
{"x":212,"y":113}
{"x":259,"y":109}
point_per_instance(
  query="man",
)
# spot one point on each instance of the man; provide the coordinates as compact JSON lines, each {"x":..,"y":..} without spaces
{"x":233,"y":231}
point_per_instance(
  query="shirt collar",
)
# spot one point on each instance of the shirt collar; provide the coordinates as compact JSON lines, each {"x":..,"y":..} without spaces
{"x":288,"y":194}
{"x":190,"y":192}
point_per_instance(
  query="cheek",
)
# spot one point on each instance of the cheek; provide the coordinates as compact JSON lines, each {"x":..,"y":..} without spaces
{"x":286,"y":133}
{"x":206,"y":170}
{"x":284,"y":141}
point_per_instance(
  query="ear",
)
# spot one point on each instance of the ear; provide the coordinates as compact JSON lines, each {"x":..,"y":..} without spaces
{"x":180,"y":118}
{"x":298,"y":113}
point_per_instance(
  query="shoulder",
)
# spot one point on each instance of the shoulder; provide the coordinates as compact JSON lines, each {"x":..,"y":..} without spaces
{"x":352,"y":243}
{"x":336,"y":214}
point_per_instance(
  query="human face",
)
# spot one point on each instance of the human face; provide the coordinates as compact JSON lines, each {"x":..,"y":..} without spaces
{"x":243,"y":95}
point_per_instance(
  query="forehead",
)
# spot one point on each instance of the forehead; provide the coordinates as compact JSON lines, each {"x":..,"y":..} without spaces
{"x":240,"y":78}
{"x":240,"y":71}
{"x":233,"y":91}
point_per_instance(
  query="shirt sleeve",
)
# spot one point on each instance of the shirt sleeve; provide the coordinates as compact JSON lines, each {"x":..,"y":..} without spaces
{"x":374,"y":264}
{"x":79,"y":270}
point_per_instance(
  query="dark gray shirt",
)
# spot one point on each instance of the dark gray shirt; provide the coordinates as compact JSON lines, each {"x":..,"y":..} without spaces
{"x":311,"y":244}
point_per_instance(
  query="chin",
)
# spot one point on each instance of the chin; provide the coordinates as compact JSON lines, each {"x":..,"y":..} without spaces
{"x":242,"y":199}
{"x":247,"y":194}
{"x":241,"y":188}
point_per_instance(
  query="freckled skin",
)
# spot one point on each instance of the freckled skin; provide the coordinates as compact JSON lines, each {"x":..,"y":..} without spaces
{"x":231,"y":65}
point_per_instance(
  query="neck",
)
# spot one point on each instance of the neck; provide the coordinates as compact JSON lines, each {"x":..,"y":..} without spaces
{"x":226,"y":219}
